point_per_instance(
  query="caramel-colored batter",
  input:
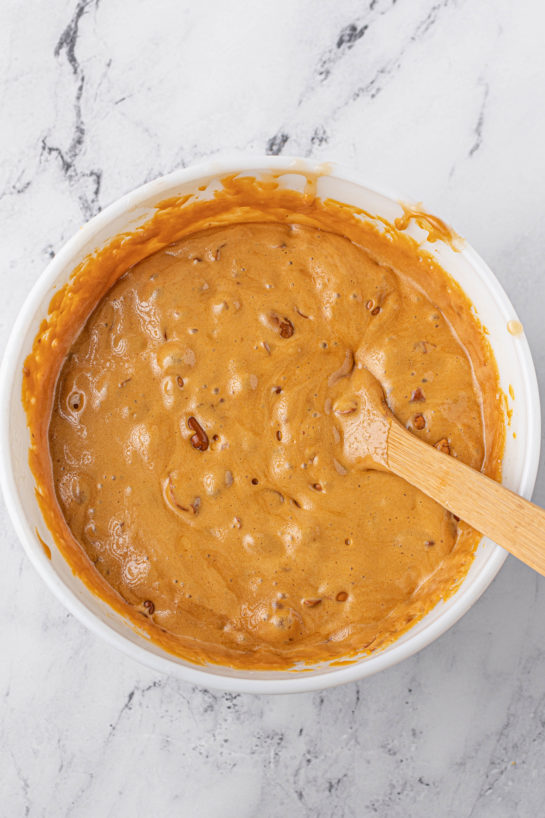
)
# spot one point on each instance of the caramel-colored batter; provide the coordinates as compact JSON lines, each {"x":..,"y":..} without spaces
{"x":197,"y":446}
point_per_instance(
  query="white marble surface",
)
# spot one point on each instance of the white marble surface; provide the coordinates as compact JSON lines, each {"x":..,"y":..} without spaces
{"x":440,"y":98}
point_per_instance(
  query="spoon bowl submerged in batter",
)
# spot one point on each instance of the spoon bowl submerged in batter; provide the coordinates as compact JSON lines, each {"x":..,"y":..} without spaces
{"x":373,"y":436}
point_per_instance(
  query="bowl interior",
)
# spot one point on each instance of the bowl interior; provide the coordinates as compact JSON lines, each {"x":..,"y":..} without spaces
{"x":492,"y":307}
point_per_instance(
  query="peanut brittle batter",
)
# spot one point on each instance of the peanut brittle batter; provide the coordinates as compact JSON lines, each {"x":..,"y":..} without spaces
{"x":197,"y":461}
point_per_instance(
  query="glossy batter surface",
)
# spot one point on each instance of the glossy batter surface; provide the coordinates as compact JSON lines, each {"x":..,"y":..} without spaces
{"x":198,"y":462}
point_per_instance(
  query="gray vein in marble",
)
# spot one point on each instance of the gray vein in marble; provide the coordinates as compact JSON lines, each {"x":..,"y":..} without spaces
{"x":68,"y":157}
{"x":277,"y":143}
{"x":80,"y":794}
{"x":478,"y":134}
{"x":429,"y":21}
{"x":374,"y":86}
{"x":68,"y":39}
{"x":349,"y":36}
{"x":128,"y":704}
{"x":513,"y":739}
{"x":346,"y":40}
{"x":113,"y":727}
{"x":17,"y":187}
{"x":319,"y":137}
{"x":25,"y":785}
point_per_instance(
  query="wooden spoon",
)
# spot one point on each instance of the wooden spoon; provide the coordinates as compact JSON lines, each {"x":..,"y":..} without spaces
{"x":373,"y":437}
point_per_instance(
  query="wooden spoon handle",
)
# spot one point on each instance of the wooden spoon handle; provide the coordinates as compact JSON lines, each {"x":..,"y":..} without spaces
{"x":509,"y":520}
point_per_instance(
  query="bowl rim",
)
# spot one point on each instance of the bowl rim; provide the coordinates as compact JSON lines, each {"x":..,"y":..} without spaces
{"x":301,"y":681}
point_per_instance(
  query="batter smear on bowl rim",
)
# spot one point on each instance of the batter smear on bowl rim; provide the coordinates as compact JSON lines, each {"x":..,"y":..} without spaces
{"x":185,"y":399}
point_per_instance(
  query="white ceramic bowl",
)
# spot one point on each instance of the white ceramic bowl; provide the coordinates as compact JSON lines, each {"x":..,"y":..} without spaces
{"x":493,"y":308}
